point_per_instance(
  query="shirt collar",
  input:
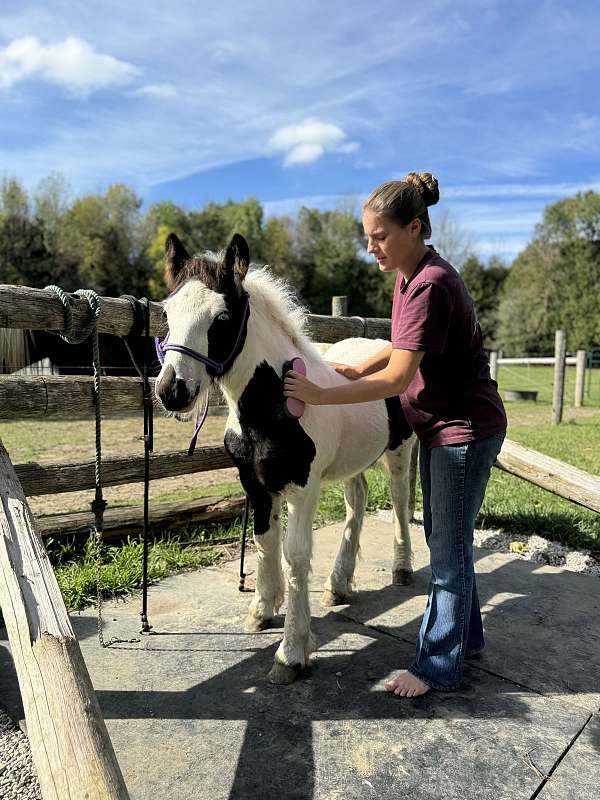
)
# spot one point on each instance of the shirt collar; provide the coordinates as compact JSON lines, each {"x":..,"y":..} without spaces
{"x":427,"y":255}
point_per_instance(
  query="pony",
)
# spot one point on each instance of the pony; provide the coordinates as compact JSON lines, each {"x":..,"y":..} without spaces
{"x":241,"y":328}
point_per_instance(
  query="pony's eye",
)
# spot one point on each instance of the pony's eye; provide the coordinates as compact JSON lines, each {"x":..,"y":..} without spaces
{"x":223,"y":316}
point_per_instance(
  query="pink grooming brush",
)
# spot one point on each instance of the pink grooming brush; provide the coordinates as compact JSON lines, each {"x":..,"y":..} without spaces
{"x":292,"y":407}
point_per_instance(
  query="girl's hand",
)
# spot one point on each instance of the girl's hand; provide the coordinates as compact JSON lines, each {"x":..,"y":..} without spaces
{"x":300,"y":388}
{"x":347,"y":371}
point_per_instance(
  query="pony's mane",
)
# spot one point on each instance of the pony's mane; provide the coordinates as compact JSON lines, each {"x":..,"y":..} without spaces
{"x":275,"y":299}
{"x":271,"y":296}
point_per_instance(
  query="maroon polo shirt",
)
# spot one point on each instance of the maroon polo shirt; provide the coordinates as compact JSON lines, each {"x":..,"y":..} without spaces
{"x":452,"y":398}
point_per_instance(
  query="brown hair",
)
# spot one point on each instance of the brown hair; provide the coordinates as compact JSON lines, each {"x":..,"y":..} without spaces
{"x":403,"y":201}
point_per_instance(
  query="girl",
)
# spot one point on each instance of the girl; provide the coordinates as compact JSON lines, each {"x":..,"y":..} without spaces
{"x":436,"y":363}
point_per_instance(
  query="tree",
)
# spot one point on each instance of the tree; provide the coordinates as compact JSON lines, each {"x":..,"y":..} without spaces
{"x":451,"y":240}
{"x":98,"y":242}
{"x":554,"y":282}
{"x":51,"y":202}
{"x":484,"y":284}
{"x":278,"y":251}
{"x":329,"y":246}
{"x":24,"y":257}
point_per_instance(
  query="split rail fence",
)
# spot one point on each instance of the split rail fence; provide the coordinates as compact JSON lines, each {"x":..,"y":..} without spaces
{"x":70,"y":744}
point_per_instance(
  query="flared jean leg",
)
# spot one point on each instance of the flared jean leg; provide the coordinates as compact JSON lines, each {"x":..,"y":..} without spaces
{"x":453,"y":479}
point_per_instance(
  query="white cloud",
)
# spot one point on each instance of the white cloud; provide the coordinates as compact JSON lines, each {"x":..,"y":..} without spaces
{"x":309,"y":140}
{"x":72,"y":64}
{"x":544,"y":190}
{"x":160,"y":91}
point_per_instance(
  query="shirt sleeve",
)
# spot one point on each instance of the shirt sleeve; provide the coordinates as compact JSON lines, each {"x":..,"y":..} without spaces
{"x":423,"y":322}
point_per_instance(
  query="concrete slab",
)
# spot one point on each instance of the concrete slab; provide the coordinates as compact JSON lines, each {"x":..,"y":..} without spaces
{"x":541,"y":622}
{"x":578,"y":774}
{"x":191,"y":714}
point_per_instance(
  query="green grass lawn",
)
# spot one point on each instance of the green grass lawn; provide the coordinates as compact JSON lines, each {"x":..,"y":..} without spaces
{"x":541,"y":379}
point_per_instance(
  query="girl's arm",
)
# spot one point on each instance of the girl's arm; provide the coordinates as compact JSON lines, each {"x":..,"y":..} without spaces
{"x":393,"y":379}
{"x":373,"y":364}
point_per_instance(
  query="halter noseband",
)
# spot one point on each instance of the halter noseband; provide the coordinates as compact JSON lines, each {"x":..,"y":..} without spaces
{"x":219,"y":367}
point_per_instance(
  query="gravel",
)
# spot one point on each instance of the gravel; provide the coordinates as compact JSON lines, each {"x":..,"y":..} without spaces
{"x":18,"y":780}
{"x":532,"y":548}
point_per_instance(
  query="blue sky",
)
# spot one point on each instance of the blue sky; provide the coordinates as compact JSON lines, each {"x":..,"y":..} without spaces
{"x":309,"y":103}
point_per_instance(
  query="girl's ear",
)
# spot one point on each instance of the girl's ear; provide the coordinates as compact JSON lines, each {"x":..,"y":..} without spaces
{"x":415,"y":227}
{"x":175,"y":257}
{"x":237,"y":258}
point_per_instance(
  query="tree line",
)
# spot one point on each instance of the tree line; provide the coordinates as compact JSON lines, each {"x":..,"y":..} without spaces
{"x":108,"y":242}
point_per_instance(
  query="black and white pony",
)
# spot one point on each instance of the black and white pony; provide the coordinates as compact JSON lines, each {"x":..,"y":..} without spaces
{"x":242,"y":328}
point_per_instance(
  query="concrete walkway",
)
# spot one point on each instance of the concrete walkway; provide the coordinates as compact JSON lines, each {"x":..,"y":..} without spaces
{"x":192,"y":716}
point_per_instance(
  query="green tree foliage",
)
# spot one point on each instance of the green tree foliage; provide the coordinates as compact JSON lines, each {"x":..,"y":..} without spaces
{"x":98,"y":241}
{"x":554,"y":282}
{"x":24,"y":257}
{"x":484,"y":284}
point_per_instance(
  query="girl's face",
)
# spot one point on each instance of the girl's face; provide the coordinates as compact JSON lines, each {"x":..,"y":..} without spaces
{"x":393,"y":246}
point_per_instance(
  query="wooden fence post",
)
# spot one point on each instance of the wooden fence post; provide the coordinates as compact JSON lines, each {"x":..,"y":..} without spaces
{"x":71,"y":749}
{"x":339,"y":306}
{"x":560,"y":352}
{"x":494,"y":365}
{"x":580,"y":377}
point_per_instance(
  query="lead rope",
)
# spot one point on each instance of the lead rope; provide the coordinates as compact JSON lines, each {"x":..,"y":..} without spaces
{"x":98,"y":504}
{"x":141,"y":321}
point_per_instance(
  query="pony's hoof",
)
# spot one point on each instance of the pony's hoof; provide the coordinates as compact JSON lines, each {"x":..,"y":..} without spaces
{"x":282,"y":675}
{"x":253,"y":624}
{"x":402,"y":577}
{"x":331,"y":599}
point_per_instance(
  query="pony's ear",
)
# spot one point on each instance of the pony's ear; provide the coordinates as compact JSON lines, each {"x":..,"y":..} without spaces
{"x":237,"y":258}
{"x":175,"y":257}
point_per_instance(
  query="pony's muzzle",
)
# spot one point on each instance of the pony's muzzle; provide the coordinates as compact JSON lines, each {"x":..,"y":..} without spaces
{"x":173,"y":392}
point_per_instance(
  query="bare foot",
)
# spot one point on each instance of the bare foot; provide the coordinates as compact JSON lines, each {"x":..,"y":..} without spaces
{"x":405,"y":684}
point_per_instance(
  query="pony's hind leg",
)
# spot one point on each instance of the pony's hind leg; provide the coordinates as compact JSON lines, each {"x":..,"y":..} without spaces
{"x":269,"y":592}
{"x":340,"y":582}
{"x":400,"y":465}
{"x":297,"y":644}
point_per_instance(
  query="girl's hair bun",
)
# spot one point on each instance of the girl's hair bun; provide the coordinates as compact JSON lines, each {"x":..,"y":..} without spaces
{"x":426,"y":184}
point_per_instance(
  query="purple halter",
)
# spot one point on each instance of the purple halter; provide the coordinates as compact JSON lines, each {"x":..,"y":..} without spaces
{"x":220,"y":367}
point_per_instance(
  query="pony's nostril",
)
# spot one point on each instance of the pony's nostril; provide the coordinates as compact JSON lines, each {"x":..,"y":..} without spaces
{"x":180,"y":393}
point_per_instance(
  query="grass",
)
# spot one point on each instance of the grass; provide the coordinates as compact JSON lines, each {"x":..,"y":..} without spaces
{"x":541,"y":378}
{"x":121,"y":565}
{"x":510,"y":504}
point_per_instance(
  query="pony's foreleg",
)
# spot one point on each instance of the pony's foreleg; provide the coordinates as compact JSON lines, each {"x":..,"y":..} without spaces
{"x":399,"y":465}
{"x":269,"y":592}
{"x":340,"y":582}
{"x":297,"y":644}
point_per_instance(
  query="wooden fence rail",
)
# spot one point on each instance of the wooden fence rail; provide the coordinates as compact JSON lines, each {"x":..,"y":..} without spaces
{"x":24,"y":397}
{"x":556,"y":476}
{"x":128,"y":519}
{"x":22,"y":307}
{"x":42,"y":479}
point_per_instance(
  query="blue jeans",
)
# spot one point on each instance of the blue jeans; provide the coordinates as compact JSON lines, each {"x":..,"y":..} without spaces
{"x":453,"y":479}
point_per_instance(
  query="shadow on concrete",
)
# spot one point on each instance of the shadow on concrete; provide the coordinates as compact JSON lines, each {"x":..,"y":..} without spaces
{"x":531,"y":632}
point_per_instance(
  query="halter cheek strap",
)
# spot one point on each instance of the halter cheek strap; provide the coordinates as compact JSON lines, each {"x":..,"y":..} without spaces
{"x":219,"y":367}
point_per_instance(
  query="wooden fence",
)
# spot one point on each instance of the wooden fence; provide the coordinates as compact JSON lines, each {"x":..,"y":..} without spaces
{"x":36,"y":619}
{"x":559,"y":361}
